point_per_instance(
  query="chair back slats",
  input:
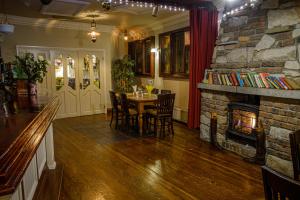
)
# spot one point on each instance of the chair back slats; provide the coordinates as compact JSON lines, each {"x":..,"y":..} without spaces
{"x":165,"y":92}
{"x":295,"y":152}
{"x":165,"y":104}
{"x":277,"y":186}
{"x":113,"y":99}
{"x":155,"y":91}
{"x":124,"y":103}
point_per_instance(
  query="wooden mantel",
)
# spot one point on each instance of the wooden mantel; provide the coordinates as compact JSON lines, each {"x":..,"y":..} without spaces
{"x":21,"y":136}
{"x":286,"y":94}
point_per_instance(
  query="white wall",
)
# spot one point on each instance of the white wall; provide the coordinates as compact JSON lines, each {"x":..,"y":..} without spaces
{"x":59,"y":37}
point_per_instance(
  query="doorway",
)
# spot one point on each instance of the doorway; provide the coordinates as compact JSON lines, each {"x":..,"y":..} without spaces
{"x":75,"y":76}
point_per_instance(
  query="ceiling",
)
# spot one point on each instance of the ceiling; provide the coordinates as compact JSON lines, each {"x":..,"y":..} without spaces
{"x":122,"y":17}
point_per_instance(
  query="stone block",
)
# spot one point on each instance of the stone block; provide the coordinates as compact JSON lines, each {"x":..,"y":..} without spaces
{"x":266,"y":42}
{"x":204,"y":132}
{"x":292,"y":73}
{"x":278,"y":29}
{"x":276,"y":54}
{"x":292,"y":65}
{"x":288,"y":5}
{"x":296,"y":33}
{"x":205,"y":120}
{"x":280,"y":165}
{"x":270,"y":4}
{"x":286,"y":17}
{"x":237,"y":21}
{"x":238,"y":55}
{"x":279,"y":133}
{"x":244,"y":39}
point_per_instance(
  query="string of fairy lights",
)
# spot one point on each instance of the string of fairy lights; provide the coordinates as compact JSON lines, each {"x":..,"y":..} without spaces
{"x":148,"y":5}
{"x":248,"y":4}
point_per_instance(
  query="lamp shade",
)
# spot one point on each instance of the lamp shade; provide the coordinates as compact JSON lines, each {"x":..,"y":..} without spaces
{"x":7,"y":28}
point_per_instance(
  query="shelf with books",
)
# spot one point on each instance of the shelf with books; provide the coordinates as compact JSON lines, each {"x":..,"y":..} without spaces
{"x":287,"y":94}
{"x":251,"y":79}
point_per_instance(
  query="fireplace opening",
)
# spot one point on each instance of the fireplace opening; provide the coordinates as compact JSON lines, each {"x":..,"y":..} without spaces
{"x":243,"y":118}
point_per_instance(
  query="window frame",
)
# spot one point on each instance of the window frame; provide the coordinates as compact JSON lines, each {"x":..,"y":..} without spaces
{"x":173,"y":74}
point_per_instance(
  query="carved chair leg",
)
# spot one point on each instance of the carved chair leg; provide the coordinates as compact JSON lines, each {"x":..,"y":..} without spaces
{"x":112,"y":117}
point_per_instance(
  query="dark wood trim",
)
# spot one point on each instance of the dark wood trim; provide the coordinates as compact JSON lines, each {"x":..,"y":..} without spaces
{"x":15,"y":160}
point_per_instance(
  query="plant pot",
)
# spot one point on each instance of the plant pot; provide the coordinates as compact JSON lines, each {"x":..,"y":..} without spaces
{"x":32,"y":94}
{"x":22,"y":93}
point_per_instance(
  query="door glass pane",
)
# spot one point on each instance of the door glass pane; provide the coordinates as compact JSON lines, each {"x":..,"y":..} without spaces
{"x":96,"y":70}
{"x":71,"y":72}
{"x":165,"y":54}
{"x":86,"y":72}
{"x":41,"y":56}
{"x":59,"y":73}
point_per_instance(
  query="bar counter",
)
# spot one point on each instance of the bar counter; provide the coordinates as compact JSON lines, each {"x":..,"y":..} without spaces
{"x":26,"y":146}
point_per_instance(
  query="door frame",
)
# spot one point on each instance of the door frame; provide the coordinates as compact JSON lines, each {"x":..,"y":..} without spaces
{"x":18,"y":47}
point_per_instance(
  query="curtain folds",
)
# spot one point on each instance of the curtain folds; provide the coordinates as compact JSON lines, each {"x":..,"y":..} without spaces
{"x":204,"y":30}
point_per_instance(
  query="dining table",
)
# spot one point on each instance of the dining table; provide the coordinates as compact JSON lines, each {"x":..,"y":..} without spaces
{"x":141,"y":101}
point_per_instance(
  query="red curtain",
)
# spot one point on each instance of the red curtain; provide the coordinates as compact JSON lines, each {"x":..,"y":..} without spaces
{"x":204,"y":29}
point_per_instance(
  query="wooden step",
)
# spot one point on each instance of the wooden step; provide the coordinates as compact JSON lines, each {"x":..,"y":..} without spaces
{"x":50,"y":184}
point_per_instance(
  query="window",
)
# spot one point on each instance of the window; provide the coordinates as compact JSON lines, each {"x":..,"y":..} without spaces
{"x":140,"y":52}
{"x":175,"y":53}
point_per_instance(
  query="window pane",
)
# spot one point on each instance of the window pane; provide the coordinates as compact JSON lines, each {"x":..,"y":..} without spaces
{"x":59,"y":73}
{"x":139,"y":57}
{"x":178,"y":47}
{"x":187,"y":51}
{"x":165,"y":57}
{"x":71,"y":72}
{"x":86,"y":72}
{"x":148,"y":46}
{"x":96,"y":70}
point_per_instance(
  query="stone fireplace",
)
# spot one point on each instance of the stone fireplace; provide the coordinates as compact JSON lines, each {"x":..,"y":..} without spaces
{"x":261,"y":39}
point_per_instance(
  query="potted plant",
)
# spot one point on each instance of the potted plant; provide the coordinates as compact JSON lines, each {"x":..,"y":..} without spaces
{"x":31,"y":69}
{"x":122,"y":75}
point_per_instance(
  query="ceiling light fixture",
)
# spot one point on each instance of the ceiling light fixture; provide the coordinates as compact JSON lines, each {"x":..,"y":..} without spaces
{"x":93,"y":33}
{"x":125,"y":35}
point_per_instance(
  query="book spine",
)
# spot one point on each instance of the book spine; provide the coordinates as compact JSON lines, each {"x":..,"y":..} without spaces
{"x":238,"y":75}
{"x":263,"y":78}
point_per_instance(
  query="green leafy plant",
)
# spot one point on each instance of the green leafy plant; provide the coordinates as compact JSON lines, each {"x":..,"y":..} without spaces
{"x":26,"y":67}
{"x":122,"y":75}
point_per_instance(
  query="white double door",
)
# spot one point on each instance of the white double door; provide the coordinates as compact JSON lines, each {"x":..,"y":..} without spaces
{"x":75,"y":76}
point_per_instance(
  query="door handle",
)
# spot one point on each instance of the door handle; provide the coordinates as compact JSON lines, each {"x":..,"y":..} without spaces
{"x":80,"y":86}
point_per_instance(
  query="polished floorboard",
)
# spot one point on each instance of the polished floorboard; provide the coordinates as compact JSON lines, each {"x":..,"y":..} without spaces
{"x":101,"y":163}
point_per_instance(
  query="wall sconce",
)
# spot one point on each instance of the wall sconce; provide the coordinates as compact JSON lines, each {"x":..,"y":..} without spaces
{"x":154,"y":50}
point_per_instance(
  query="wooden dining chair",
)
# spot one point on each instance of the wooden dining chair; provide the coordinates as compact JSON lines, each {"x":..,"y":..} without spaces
{"x":295,"y":152}
{"x":116,"y":109}
{"x":130,"y":115}
{"x":278,"y":186}
{"x":165,"y":92}
{"x":163,"y":114}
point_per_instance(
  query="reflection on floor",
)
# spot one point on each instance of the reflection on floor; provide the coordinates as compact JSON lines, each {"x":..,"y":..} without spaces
{"x":101,"y":163}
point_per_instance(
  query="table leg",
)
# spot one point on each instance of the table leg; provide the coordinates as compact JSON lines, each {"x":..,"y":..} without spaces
{"x":140,"y":112}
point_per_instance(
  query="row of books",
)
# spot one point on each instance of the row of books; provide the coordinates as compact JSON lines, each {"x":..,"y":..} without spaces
{"x":251,"y":79}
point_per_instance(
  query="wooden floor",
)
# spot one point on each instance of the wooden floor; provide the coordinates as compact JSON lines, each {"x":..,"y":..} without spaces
{"x":101,"y":163}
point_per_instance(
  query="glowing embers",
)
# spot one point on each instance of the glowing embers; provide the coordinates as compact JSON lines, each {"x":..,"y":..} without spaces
{"x":244,"y":121}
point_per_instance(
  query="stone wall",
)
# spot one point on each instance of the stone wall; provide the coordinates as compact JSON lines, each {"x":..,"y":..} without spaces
{"x":261,"y":39}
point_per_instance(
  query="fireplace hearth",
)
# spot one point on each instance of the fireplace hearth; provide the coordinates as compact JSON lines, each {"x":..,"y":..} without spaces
{"x":242,"y":118}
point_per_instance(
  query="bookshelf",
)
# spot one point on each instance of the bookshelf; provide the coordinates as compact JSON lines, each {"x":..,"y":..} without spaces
{"x":286,"y":94}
